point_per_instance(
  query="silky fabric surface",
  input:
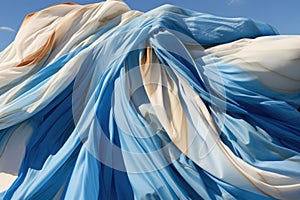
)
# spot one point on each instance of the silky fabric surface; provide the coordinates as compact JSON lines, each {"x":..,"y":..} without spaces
{"x":100,"y":101}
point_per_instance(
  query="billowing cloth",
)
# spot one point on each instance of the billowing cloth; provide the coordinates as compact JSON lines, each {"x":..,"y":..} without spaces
{"x":103,"y":102}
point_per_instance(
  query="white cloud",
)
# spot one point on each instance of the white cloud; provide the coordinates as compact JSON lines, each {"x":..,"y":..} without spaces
{"x":233,"y":1}
{"x":6,"y":28}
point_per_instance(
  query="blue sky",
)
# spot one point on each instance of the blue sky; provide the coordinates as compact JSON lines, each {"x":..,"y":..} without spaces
{"x":283,"y":15}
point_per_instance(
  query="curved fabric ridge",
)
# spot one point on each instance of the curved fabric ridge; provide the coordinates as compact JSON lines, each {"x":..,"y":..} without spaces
{"x":171,"y":114}
{"x":37,"y":56}
{"x":256,"y":56}
{"x":99,"y":101}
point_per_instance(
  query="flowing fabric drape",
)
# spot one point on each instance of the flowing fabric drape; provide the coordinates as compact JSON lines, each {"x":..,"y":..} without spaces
{"x":103,"y":102}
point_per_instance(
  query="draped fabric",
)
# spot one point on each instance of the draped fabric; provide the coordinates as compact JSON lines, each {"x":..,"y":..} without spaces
{"x":102,"y":102}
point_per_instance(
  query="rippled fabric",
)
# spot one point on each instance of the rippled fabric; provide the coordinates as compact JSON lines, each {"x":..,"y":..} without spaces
{"x":103,"y":102}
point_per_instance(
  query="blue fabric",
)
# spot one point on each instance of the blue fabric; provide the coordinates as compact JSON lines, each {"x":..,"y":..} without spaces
{"x":79,"y":148}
